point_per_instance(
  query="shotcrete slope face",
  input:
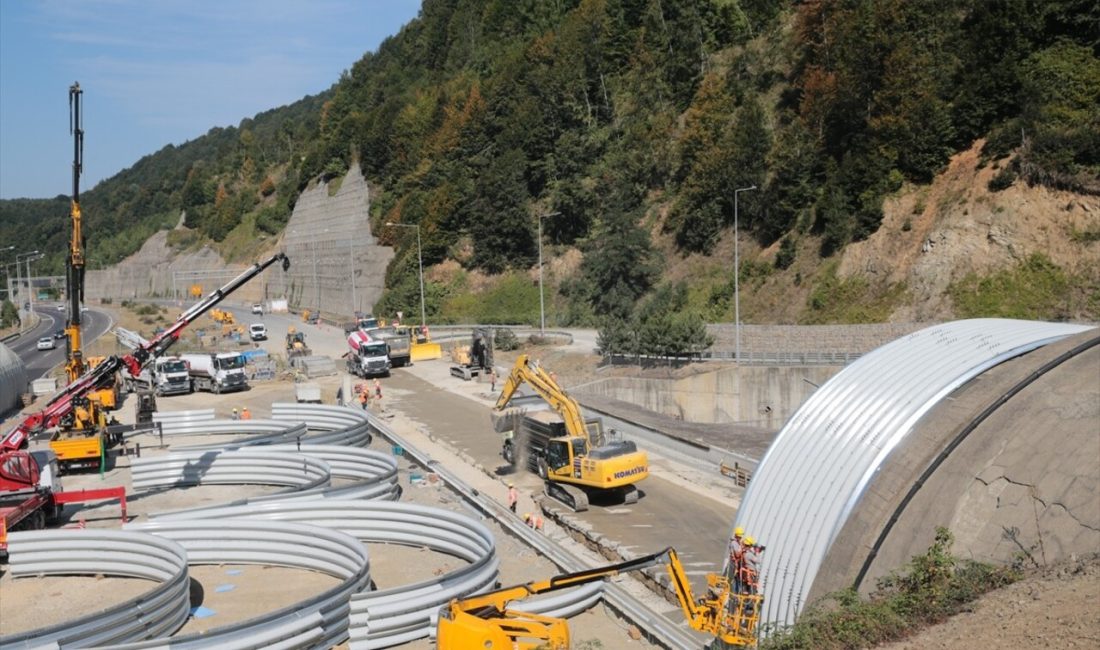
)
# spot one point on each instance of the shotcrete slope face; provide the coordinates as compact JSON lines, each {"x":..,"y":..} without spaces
{"x":1009,"y":463}
{"x":817,"y":470}
{"x":332,"y":248}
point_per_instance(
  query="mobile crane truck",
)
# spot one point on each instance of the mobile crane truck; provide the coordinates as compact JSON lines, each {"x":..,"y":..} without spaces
{"x":27,"y":484}
{"x":576,"y":464}
{"x":486,"y":621}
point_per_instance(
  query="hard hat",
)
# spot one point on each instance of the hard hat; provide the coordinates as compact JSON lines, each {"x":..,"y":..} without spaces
{"x":234,"y":409}
{"x":738,"y":532}
{"x":527,"y":516}
{"x":749,"y":541}
{"x":510,"y":484}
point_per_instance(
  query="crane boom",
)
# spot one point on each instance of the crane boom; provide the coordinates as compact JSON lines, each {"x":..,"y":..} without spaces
{"x":62,"y":404}
{"x":74,"y":263}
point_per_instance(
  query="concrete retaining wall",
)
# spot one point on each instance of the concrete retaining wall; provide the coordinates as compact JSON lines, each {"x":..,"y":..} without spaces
{"x":762,"y":396}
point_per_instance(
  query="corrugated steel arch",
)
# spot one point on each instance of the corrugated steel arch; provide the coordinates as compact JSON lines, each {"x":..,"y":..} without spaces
{"x":13,"y":378}
{"x":817,"y":469}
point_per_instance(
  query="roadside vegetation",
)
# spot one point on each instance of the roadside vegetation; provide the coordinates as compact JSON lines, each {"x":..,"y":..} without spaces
{"x":931,"y":588}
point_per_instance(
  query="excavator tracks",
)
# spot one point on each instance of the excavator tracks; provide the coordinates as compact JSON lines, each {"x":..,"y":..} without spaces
{"x":571,"y":496}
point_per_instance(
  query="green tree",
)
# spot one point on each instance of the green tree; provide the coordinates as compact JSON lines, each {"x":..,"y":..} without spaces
{"x":9,"y":315}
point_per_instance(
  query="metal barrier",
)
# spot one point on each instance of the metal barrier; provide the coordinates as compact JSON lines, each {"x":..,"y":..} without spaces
{"x":318,"y":622}
{"x":155,"y":614}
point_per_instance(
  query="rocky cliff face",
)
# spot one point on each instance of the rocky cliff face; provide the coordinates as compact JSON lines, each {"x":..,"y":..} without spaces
{"x":935,"y":235}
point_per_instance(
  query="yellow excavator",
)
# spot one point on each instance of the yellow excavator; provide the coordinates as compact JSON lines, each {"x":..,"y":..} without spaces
{"x":486,"y":621}
{"x":81,"y":437}
{"x":570,"y":455}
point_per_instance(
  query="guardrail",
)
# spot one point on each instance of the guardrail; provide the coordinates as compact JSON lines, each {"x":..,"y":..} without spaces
{"x":155,"y":614}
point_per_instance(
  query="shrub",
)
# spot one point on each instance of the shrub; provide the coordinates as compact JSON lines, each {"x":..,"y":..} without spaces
{"x":1003,"y":179}
{"x":505,"y":339}
{"x":785,"y":257}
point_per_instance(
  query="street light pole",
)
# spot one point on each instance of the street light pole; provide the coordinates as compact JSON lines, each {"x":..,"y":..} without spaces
{"x":542,"y":304}
{"x":736,"y":276}
{"x":420,"y":261}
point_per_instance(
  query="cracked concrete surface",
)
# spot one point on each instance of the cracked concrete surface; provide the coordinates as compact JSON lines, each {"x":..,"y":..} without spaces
{"x":1025,"y":483}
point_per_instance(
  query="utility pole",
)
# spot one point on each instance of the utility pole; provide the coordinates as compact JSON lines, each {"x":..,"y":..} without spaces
{"x":736,"y":276}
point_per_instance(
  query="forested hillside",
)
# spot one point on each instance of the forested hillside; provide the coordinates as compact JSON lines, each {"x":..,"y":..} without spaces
{"x":630,"y":123}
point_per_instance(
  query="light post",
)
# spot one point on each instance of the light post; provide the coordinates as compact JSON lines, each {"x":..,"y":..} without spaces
{"x":30,"y":279}
{"x":542,"y":304}
{"x":736,"y":276}
{"x":420,"y":260}
{"x":7,"y":273}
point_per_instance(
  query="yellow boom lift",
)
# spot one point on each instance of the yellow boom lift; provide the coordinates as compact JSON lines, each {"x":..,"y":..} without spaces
{"x":486,"y":621}
{"x":82,"y":435}
{"x":575,"y":465}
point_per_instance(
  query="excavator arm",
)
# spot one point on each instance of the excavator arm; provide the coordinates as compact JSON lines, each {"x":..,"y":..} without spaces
{"x":529,"y":372}
{"x":62,"y":404}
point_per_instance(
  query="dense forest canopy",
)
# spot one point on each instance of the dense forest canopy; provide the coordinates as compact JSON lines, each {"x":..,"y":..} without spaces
{"x":618,"y":115}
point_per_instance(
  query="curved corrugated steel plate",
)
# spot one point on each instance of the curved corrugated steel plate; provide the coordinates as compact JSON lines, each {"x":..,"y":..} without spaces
{"x":815,"y":472}
{"x":13,"y":378}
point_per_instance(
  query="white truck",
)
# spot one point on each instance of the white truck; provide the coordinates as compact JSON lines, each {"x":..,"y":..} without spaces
{"x":164,"y":376}
{"x":367,"y":356}
{"x":216,"y":372}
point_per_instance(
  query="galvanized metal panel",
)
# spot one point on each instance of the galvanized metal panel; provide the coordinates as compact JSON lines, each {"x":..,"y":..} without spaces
{"x":13,"y":378}
{"x":817,"y":469}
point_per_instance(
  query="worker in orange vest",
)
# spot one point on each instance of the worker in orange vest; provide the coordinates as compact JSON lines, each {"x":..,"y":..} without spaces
{"x":750,"y":566}
{"x":246,"y":414}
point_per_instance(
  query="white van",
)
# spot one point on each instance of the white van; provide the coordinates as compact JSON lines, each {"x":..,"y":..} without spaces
{"x":258,"y":331}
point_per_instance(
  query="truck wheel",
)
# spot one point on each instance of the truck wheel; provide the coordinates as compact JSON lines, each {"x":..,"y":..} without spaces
{"x":217,"y":389}
{"x":509,"y":454}
{"x":542,"y":469}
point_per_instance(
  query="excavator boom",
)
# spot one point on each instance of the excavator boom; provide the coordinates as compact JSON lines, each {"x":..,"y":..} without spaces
{"x":548,"y":389}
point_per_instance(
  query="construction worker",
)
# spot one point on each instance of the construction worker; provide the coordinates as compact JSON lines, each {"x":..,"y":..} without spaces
{"x":378,"y":394}
{"x":513,"y":497}
{"x":750,"y":567}
{"x":492,"y":380}
{"x":364,"y":399}
{"x":235,"y":415}
{"x":246,"y":414}
{"x":737,"y":556}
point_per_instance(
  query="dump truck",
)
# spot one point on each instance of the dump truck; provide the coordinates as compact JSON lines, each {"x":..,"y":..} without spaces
{"x":397,"y":341}
{"x":216,"y":372}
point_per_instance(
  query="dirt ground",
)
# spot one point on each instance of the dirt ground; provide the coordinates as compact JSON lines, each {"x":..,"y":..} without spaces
{"x":1057,"y":607}
{"x":236,"y":593}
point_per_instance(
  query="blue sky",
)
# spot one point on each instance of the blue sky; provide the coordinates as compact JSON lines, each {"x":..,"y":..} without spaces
{"x":156,"y":72}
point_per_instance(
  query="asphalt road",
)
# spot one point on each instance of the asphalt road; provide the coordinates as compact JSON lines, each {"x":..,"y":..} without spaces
{"x":668,"y":514}
{"x":40,"y":362}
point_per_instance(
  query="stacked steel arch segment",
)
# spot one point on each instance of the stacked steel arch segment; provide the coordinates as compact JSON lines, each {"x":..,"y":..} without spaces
{"x":309,"y":526}
{"x":819,"y":466}
{"x":392,"y":616}
{"x":155,"y":614}
{"x":319,"y":622}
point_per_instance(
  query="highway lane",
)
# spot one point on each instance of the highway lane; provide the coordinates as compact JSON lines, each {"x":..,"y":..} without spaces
{"x":39,"y":363}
